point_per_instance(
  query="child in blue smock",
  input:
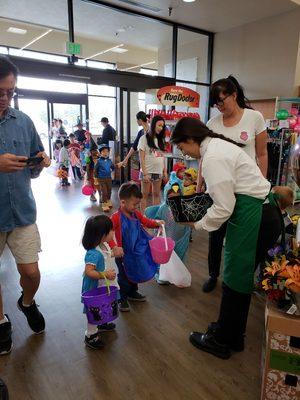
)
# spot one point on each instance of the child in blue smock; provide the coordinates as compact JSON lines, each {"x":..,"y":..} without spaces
{"x":99,"y":265}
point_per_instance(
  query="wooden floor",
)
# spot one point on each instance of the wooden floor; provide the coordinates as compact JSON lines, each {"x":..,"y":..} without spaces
{"x":148,"y":357}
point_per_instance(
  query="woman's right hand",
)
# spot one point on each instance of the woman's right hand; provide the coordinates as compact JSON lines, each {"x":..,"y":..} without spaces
{"x":146,"y":178}
{"x":110,"y":274}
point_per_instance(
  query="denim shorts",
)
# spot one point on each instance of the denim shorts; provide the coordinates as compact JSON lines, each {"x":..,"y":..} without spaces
{"x":153,"y":177}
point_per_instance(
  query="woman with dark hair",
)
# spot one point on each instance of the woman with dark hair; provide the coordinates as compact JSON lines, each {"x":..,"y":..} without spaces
{"x":142,"y":120}
{"x":151,"y":147}
{"x":237,"y":121}
{"x":238,"y":190}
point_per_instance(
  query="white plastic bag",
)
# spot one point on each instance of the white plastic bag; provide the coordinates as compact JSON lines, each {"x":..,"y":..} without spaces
{"x":175,"y":272}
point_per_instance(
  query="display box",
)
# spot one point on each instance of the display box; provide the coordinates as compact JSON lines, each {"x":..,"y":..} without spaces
{"x":281,"y":356}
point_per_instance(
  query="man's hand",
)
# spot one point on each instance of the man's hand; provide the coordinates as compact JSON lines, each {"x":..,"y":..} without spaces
{"x":118,"y":252}
{"x":12,"y":163}
{"x":46,"y":162}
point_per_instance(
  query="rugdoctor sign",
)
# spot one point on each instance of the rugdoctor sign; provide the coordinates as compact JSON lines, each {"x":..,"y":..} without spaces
{"x":178,"y":96}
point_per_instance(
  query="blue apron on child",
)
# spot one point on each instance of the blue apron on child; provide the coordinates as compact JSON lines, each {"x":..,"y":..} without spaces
{"x":138,"y":263}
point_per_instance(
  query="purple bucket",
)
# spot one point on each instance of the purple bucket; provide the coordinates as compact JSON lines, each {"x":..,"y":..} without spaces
{"x":101,"y":305}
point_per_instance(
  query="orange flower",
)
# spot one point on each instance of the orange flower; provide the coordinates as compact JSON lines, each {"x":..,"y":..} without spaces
{"x":293,"y":282}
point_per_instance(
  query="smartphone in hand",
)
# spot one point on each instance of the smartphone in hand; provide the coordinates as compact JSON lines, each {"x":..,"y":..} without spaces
{"x":33,"y":161}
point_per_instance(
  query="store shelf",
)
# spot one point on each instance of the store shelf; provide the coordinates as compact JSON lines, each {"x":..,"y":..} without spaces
{"x":289,"y":99}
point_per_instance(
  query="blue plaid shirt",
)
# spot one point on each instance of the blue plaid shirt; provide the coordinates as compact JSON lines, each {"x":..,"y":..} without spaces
{"x":17,"y":205}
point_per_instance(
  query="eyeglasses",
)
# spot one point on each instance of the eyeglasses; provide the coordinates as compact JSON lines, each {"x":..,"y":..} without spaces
{"x":220,"y":102}
{"x":9,"y":93}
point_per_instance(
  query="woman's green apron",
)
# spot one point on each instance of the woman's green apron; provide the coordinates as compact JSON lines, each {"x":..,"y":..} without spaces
{"x":241,"y":242}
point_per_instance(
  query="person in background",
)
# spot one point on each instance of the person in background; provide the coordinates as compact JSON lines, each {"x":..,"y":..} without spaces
{"x":239,"y":122}
{"x":84,"y":154}
{"x":61,"y":134}
{"x":142,"y":120}
{"x":64,"y":162}
{"x":102,"y":177}
{"x":74,"y":151}
{"x":80,"y":133}
{"x":91,"y":156}
{"x":18,"y":229}
{"x":151,"y":147}
{"x":56,"y":151}
{"x":108,"y":134}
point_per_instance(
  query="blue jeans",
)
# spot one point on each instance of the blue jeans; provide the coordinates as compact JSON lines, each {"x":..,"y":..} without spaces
{"x":127,"y":288}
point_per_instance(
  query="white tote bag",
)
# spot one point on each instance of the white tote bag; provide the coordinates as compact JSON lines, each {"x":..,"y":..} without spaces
{"x":175,"y":272}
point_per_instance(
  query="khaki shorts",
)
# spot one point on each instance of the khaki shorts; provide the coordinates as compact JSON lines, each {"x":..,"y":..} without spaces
{"x":23,"y":242}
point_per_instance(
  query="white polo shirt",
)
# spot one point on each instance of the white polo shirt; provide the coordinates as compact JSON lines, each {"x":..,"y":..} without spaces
{"x":251,"y":124}
{"x":227,"y":171}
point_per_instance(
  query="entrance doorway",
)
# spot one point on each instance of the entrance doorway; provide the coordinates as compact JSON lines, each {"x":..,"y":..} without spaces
{"x":43,"y":107}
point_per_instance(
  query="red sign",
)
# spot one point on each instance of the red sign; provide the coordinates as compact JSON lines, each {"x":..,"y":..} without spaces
{"x":173,"y":114}
{"x":178,"y":96}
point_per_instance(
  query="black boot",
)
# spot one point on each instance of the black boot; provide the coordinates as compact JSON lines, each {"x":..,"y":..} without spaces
{"x":208,"y":342}
{"x":209,"y":285}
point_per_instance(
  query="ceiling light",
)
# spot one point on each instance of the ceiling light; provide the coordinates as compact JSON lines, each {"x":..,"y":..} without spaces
{"x":36,"y":39}
{"x":188,"y":1}
{"x":104,"y":51}
{"x":119,"y":50}
{"x":18,"y":31}
{"x":138,"y":66}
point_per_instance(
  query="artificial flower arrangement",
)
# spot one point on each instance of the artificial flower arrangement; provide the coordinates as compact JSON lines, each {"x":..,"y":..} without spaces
{"x":281,"y":278}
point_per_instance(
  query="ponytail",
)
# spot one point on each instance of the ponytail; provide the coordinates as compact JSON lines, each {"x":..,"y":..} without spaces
{"x":222,"y":137}
{"x":191,"y":128}
{"x":229,"y":86}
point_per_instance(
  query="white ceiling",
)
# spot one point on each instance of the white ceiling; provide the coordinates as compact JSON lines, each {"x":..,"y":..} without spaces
{"x":215,"y":15}
{"x":96,"y":21}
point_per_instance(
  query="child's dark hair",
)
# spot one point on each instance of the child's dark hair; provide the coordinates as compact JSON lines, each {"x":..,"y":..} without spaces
{"x":66,"y":142}
{"x":95,"y":229}
{"x":128,"y":190}
{"x":228,"y":86}
{"x":71,"y":135}
{"x":152,"y":134}
{"x":192,"y":128}
{"x":57,"y":142}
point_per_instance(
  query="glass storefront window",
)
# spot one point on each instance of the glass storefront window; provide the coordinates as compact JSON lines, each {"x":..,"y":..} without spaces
{"x":3,"y":50}
{"x":192,"y":56}
{"x":129,"y":42}
{"x":102,"y":90}
{"x":101,"y":107}
{"x":49,"y":85}
{"x":38,"y":56}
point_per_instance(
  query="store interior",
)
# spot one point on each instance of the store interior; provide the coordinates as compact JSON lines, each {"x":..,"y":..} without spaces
{"x":127,"y":54}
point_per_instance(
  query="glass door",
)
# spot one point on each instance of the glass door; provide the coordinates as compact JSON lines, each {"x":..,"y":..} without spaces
{"x":37,"y":110}
{"x":70,"y":114}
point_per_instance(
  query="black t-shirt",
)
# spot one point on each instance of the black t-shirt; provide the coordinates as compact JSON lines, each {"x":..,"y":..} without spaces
{"x":108,"y":134}
{"x":80,"y":135}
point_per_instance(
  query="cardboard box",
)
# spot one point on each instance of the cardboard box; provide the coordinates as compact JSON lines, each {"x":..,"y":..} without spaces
{"x":281,"y":359}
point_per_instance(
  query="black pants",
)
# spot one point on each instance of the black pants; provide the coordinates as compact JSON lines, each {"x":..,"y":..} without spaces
{"x":215,"y":246}
{"x":76,"y":172}
{"x":235,"y":306}
{"x":127,"y":288}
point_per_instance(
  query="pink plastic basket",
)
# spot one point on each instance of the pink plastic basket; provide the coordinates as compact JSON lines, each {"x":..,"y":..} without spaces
{"x":87,"y":190}
{"x":161,"y":248}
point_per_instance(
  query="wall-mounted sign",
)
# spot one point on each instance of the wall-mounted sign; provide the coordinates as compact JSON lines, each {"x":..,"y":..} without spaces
{"x":178,"y":96}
